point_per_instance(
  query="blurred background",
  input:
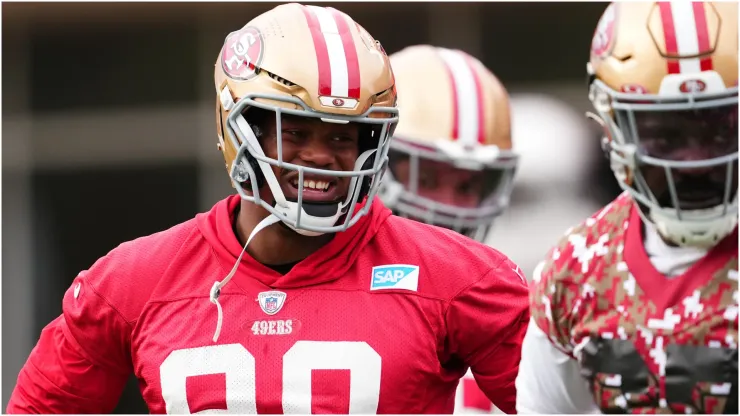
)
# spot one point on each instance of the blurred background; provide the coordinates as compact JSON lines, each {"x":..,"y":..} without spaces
{"x":108,"y":130}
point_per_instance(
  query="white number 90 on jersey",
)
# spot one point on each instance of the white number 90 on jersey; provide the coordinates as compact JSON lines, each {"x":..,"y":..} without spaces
{"x":238,"y":365}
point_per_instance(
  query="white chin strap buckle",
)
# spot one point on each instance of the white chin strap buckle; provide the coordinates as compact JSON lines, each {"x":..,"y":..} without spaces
{"x":694,"y":233}
{"x":290,"y":210}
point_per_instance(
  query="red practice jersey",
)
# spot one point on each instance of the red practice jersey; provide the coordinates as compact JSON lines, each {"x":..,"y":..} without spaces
{"x":645,"y":343}
{"x":385,"y":318}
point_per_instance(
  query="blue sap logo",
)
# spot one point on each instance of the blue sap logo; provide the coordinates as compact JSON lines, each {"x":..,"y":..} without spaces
{"x":395,"y":276}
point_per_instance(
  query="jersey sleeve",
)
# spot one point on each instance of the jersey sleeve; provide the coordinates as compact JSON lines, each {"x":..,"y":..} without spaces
{"x":549,"y":378}
{"x":554,"y":297}
{"x":486,"y":323}
{"x":82,"y":360}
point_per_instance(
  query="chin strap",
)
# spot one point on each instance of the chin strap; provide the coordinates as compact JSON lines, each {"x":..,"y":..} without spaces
{"x":217,"y":286}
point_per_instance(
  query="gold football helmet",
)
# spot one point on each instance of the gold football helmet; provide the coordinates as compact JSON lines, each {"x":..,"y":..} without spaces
{"x":304,"y":61}
{"x":663,"y":80}
{"x":454,"y":132}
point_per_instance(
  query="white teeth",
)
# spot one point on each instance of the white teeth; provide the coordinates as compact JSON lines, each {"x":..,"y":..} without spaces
{"x":310,"y":184}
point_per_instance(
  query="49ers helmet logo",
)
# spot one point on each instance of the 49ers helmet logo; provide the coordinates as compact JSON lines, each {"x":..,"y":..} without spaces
{"x":242,"y":53}
{"x":692,"y":86}
{"x":603,"y":40}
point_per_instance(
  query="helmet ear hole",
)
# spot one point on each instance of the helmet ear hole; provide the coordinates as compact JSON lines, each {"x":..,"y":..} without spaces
{"x":256,"y":118}
{"x":243,"y":170}
{"x":259,"y":176}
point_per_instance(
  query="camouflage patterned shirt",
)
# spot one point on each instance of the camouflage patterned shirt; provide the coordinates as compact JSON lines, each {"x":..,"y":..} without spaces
{"x":645,"y":343}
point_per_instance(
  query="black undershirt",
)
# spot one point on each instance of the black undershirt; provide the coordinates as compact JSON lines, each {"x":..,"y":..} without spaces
{"x":280,"y":268}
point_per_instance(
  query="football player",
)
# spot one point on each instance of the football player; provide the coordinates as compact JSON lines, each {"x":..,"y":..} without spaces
{"x":636,"y":309}
{"x":301,"y":294}
{"x":451,"y":159}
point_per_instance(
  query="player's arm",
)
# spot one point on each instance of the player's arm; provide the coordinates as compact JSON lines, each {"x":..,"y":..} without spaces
{"x":549,"y":380}
{"x":486,"y":323}
{"x":81,"y":362}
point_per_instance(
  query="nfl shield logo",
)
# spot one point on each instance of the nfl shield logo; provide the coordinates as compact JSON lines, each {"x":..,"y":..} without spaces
{"x":271,"y":302}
